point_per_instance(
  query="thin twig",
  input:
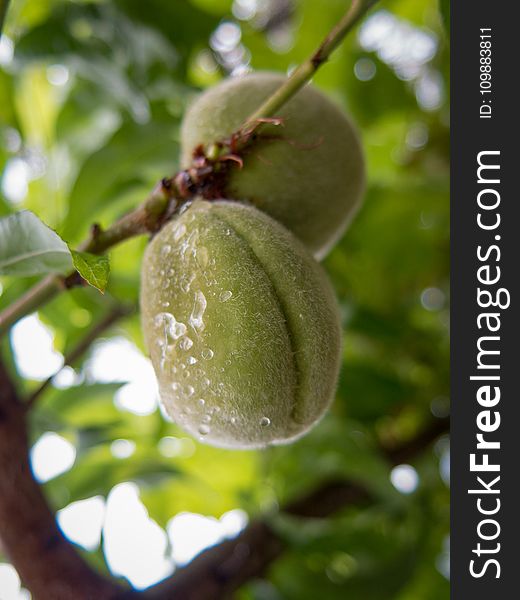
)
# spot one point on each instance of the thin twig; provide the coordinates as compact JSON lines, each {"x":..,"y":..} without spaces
{"x":158,"y":207}
{"x":144,"y":219}
{"x":306,"y":70}
{"x":118,"y":312}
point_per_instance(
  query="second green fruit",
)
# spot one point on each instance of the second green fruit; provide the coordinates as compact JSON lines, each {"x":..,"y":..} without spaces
{"x":307,"y":173}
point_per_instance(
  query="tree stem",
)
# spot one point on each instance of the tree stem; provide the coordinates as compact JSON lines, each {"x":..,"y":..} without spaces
{"x":302,"y":74}
{"x":35,"y":297}
{"x":82,"y":346}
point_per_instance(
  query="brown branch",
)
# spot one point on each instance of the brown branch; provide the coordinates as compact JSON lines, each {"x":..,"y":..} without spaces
{"x":219,"y":571}
{"x":118,"y":312}
{"x":46,"y":562}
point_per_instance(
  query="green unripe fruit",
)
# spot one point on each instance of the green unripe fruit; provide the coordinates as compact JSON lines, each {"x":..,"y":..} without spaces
{"x":241,"y":324}
{"x":309,"y":176}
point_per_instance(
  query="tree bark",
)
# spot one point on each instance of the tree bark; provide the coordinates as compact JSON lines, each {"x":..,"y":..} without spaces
{"x":47,"y":563}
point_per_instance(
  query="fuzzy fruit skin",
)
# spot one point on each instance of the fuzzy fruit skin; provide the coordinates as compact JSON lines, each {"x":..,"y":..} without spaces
{"x":312,"y":181}
{"x":241,"y":324}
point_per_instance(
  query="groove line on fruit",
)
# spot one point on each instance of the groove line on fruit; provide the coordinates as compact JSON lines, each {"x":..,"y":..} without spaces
{"x":282,"y":306}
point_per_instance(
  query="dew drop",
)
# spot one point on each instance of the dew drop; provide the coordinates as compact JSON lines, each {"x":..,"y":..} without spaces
{"x":202,"y":256}
{"x":225,"y":296}
{"x":189,"y":390}
{"x":179,"y":232}
{"x":185,"y":343}
{"x":204,"y":430}
{"x":197,"y":313}
{"x":233,"y":420}
{"x":172,"y":327}
{"x":202,"y":402}
{"x":265,"y":422}
{"x":206,"y":418}
{"x":207,"y":354}
{"x":186,"y":281}
{"x":192,"y":360}
{"x":166,"y":249}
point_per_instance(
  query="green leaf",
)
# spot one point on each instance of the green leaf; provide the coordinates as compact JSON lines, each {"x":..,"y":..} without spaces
{"x":94,"y":269}
{"x":29,"y":247}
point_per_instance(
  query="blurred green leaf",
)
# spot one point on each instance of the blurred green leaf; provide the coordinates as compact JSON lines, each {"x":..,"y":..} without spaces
{"x":129,"y":159}
{"x":84,"y":481}
{"x":445,"y":13}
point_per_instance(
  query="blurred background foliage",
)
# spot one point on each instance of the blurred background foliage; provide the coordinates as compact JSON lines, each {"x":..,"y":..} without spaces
{"x":91,"y":97}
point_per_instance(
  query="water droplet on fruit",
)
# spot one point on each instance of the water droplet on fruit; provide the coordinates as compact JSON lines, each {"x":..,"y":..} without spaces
{"x":202,"y":256}
{"x":179,"y":232}
{"x":204,"y":430}
{"x":202,"y":402}
{"x":207,"y":354}
{"x":172,"y":327}
{"x":225,"y":296}
{"x":185,"y":344}
{"x":186,"y":281}
{"x":265,"y":422}
{"x":197,"y":313}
